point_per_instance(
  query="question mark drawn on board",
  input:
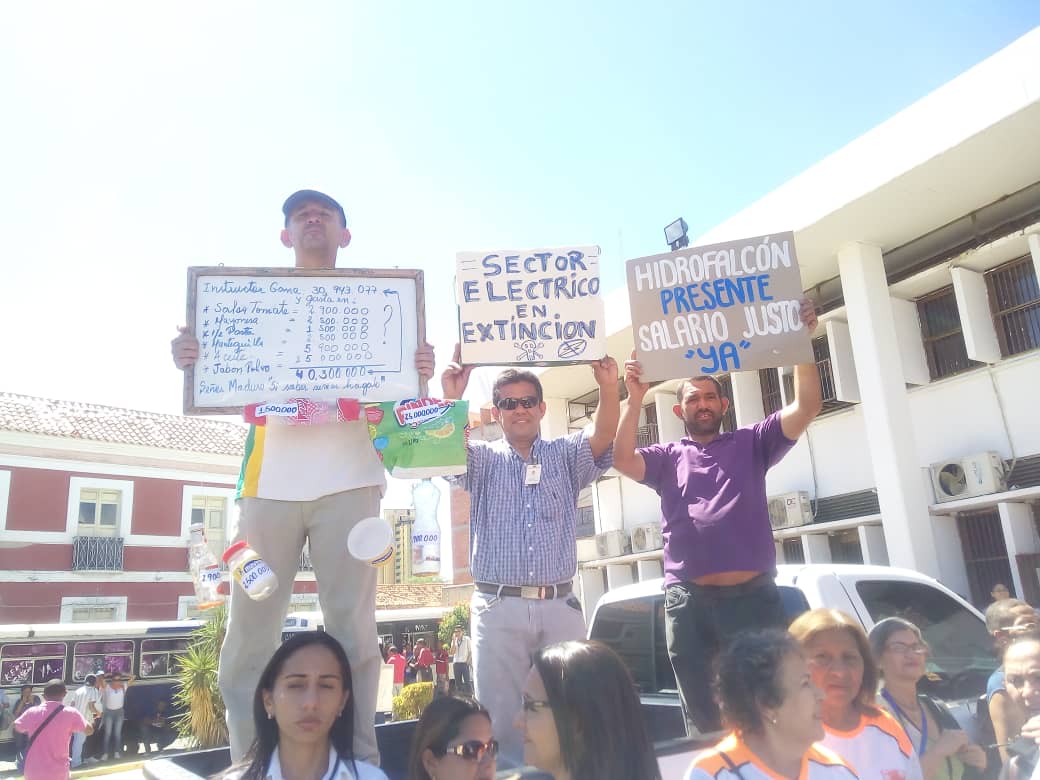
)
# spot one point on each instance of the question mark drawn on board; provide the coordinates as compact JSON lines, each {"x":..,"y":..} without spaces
{"x":389,"y":316}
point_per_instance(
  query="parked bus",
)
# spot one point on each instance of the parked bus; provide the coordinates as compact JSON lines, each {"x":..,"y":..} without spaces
{"x":394,"y":626}
{"x":34,"y":654}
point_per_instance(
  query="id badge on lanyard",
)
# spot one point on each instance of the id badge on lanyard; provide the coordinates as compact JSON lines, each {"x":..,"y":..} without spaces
{"x":532,"y":474}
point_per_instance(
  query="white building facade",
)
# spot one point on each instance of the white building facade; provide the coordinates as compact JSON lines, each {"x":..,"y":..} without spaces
{"x":920,"y":243}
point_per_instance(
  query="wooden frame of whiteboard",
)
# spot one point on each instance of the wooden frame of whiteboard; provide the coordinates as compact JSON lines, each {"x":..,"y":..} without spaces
{"x":194,"y":272}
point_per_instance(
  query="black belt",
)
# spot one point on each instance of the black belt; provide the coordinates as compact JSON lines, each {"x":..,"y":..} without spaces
{"x":526,"y":591}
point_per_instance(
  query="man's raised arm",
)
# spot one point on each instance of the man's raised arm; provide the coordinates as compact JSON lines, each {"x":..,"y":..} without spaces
{"x":605,"y":418}
{"x":808,"y":397}
{"x":626,"y":459}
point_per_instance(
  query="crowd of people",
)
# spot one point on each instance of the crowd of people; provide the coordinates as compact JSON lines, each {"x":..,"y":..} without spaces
{"x":818,"y":696}
{"x":87,"y":724}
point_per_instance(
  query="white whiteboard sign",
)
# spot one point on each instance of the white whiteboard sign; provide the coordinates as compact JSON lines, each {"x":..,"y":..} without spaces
{"x":530,"y":306}
{"x":275,"y":334}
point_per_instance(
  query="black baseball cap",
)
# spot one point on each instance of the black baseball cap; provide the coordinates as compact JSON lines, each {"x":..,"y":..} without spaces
{"x":302,"y":196}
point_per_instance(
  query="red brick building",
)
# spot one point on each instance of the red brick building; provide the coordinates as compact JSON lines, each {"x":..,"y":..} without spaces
{"x":95,"y":504}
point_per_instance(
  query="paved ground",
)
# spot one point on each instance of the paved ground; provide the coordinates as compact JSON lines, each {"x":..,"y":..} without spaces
{"x":123,"y":769}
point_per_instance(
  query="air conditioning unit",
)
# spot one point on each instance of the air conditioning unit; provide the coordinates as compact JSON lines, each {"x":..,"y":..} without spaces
{"x":646,"y":537}
{"x":611,"y":544}
{"x":789,"y":510}
{"x":973,"y":475}
{"x":587,"y":549}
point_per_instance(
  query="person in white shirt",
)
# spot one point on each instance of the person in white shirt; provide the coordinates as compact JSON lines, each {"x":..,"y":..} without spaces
{"x":300,"y":483}
{"x":303,"y":713}
{"x":460,"y":653}
{"x":842,"y":665}
{"x":87,"y":701}
{"x":769,"y":700}
{"x":112,"y":698}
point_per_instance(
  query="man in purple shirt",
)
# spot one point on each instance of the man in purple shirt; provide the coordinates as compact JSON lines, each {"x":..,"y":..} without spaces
{"x":719,"y":556}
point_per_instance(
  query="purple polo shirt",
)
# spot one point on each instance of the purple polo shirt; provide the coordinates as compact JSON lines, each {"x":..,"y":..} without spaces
{"x":713,"y":500}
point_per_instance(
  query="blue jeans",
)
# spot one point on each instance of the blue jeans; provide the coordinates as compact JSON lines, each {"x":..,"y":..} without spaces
{"x":78,"y":738}
{"x":112,"y":725}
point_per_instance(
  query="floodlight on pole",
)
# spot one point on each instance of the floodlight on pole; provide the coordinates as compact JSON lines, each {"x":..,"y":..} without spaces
{"x":675,"y":234}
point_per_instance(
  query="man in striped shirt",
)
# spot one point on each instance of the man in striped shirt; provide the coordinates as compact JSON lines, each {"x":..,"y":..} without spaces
{"x":523,"y":515}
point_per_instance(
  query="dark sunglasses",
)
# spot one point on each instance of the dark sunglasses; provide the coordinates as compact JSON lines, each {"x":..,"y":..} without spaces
{"x":509,"y":404}
{"x":474,"y":749}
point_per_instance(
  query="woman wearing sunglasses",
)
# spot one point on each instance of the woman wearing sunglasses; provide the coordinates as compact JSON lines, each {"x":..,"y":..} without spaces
{"x":453,"y":741}
{"x":303,"y":711}
{"x":944,"y":749}
{"x":581,"y":718}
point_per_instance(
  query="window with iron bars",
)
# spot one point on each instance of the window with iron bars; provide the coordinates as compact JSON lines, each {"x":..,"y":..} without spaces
{"x":942,"y":334}
{"x":648,"y":433}
{"x":822,"y":356}
{"x":772,"y":397}
{"x":1014,"y":298}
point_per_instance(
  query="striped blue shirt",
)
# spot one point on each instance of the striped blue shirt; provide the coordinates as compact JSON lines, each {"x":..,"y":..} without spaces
{"x":524,"y":534}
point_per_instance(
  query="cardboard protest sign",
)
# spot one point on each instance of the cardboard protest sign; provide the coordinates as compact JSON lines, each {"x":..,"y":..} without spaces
{"x":718,"y":308}
{"x":530,"y":307}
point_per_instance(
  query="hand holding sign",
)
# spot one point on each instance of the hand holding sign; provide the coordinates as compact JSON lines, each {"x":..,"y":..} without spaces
{"x":455,"y":376}
{"x":637,"y":388}
{"x":605,"y":371}
{"x":713,"y":309}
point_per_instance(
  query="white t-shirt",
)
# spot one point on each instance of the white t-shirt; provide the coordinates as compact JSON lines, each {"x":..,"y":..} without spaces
{"x":877,"y":749}
{"x":81,"y":699}
{"x":819,"y":763}
{"x":338,"y":770}
{"x":306,"y":462}
{"x":113,"y":698}
{"x":461,"y":650}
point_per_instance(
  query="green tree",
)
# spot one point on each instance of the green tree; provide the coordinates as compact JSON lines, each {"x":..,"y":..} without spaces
{"x":197,"y":696}
{"x":459,"y":616}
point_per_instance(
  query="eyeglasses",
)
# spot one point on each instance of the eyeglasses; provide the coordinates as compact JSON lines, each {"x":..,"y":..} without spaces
{"x":902,"y":648}
{"x":474,"y":750}
{"x":509,"y":404}
{"x":533,"y":705}
{"x":828,"y":662}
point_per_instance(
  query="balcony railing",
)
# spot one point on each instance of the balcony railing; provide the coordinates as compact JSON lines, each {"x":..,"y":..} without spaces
{"x":586,"y":525}
{"x":647,"y":435}
{"x":97,"y":553}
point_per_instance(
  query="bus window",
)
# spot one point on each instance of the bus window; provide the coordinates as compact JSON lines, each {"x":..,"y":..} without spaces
{"x":114,"y":657}
{"x":159,"y":656}
{"x":32,"y":664}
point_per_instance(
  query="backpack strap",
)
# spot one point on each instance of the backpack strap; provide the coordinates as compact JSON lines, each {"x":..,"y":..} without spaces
{"x":729,"y":762}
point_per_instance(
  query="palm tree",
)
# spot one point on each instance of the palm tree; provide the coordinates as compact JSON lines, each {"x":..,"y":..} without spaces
{"x":198,"y":696}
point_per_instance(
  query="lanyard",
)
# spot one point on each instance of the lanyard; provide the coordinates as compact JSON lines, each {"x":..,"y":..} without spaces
{"x":906,"y":719}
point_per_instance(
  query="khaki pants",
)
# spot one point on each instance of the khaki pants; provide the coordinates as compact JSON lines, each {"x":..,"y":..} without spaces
{"x":506,"y":633}
{"x":346,"y":593}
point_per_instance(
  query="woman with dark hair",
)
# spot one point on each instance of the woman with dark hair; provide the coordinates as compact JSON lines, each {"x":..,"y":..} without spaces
{"x":453,"y":741}
{"x":581,"y":718}
{"x":303,"y":712}
{"x":769,"y":700}
{"x":944,"y":749}
{"x":841,"y":664}
{"x":1022,"y":677}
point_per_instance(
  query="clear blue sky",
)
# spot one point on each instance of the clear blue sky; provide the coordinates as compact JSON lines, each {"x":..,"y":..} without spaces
{"x":141,"y":138}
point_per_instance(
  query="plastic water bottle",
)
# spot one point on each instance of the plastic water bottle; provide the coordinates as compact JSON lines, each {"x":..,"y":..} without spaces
{"x":205,"y":571}
{"x":426,"y":531}
{"x":250,"y":571}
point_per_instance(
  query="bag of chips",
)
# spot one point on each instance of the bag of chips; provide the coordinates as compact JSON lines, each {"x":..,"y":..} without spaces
{"x":420,"y":437}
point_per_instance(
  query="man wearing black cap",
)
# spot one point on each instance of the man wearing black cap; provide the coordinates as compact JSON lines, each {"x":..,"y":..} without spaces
{"x":305,"y":482}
